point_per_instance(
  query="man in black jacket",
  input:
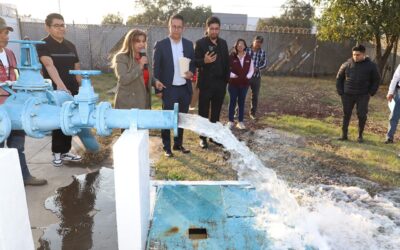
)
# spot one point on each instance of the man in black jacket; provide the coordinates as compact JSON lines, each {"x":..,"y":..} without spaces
{"x":358,"y":79}
{"x":212,"y":61}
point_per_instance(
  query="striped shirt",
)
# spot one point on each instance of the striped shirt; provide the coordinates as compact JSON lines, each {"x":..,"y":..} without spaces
{"x":260,"y":60}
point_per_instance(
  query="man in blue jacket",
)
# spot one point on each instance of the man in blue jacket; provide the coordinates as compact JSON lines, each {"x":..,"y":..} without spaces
{"x":358,"y":79}
{"x":172,"y":85}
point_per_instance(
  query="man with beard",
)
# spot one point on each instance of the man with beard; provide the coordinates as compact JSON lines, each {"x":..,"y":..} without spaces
{"x":212,"y":61}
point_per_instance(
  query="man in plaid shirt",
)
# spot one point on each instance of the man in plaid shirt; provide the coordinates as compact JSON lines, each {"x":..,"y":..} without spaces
{"x":260,"y":62}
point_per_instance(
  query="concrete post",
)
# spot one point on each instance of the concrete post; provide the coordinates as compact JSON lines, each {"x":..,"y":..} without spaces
{"x":15,"y":228}
{"x":132,"y":189}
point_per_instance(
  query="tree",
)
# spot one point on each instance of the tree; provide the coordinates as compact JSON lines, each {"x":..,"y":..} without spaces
{"x":296,"y":14}
{"x":157,"y":12}
{"x":377,"y":21}
{"x":197,"y":15}
{"x":112,"y":19}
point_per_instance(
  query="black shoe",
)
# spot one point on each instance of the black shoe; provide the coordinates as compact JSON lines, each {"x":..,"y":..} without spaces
{"x":203,"y":143}
{"x":181,"y":148}
{"x":388,"y":141}
{"x":360,"y":140}
{"x":168,"y":153}
{"x":216,"y":143}
{"x":343,"y":138}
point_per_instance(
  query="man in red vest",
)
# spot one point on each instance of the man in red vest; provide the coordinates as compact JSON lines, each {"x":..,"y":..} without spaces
{"x":16,"y":139}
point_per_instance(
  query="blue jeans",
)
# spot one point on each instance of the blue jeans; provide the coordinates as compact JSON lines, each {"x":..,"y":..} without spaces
{"x":394,"y":117}
{"x":237,"y":95}
{"x":17,"y":140}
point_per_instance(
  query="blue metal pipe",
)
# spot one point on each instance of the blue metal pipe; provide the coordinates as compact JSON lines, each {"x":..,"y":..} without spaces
{"x":37,"y":109}
{"x":88,"y":140}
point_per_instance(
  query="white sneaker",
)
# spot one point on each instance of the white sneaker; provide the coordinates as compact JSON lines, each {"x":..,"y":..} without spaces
{"x":57,"y":161}
{"x":229,"y":124}
{"x":70,"y":157}
{"x":240,"y":125}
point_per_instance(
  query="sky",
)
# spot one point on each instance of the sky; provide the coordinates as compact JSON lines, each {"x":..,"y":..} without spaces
{"x":91,"y":12}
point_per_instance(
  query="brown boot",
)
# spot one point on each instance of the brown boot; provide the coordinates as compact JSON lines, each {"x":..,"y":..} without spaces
{"x":33,"y":181}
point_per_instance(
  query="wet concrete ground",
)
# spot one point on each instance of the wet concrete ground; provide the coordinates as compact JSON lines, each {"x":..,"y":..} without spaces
{"x":86,"y":209}
{"x":38,"y":154}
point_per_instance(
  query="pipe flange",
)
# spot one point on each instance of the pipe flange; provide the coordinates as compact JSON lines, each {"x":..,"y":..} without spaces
{"x":5,"y":125}
{"x":100,"y":124}
{"x":66,"y":115}
{"x":28,"y":116}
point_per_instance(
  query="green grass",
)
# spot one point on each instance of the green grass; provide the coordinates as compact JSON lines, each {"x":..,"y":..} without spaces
{"x":372,"y":160}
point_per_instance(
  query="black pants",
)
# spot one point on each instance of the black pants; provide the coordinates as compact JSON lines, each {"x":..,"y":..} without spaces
{"x":255,"y":83}
{"x":212,"y":99}
{"x":348,"y":102}
{"x":60,"y":143}
{"x":180,"y":95}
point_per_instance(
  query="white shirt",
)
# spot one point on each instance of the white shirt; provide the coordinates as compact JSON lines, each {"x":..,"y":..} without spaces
{"x":395,"y":81}
{"x":4,"y":60}
{"x":177,"y":52}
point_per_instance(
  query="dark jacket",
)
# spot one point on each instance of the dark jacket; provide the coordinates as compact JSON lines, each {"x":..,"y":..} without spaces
{"x":358,"y":78}
{"x":218,"y":71}
{"x":241,"y":71}
{"x":163,"y":63}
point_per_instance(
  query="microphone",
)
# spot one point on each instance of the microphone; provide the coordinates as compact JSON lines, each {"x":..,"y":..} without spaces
{"x":143,"y":53}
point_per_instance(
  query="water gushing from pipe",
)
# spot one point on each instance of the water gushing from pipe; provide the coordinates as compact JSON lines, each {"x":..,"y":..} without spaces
{"x":329,"y":217}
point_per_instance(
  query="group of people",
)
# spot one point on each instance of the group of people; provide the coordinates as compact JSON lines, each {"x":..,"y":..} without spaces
{"x":215,"y":68}
{"x":57,"y":56}
{"x":210,"y":61}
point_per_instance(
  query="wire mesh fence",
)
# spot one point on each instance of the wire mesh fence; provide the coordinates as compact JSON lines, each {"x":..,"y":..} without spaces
{"x":290,"y":51}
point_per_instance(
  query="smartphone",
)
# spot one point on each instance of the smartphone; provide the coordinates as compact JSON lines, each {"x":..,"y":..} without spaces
{"x":211,"y":49}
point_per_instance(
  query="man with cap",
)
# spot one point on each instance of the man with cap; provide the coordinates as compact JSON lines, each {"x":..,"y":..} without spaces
{"x":8,"y":67}
{"x":259,"y":58}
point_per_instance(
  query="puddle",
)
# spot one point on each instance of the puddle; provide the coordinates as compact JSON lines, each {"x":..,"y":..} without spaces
{"x":86,"y":209}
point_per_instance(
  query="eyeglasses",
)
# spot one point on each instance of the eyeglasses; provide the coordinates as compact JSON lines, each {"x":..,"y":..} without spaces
{"x":176,"y":27}
{"x":58,"y":26}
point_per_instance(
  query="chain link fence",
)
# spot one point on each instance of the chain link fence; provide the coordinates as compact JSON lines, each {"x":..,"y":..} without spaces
{"x":290,"y":51}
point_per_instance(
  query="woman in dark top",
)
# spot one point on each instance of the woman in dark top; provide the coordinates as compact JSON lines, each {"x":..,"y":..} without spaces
{"x":241,"y":68}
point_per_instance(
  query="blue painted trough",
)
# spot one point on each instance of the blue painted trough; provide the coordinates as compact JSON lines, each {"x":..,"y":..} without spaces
{"x":205,"y":216}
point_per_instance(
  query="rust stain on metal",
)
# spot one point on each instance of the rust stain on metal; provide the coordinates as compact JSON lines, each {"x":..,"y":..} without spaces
{"x":171,"y":231}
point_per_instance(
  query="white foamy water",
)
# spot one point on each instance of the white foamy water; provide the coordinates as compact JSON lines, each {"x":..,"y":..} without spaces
{"x":316,"y":217}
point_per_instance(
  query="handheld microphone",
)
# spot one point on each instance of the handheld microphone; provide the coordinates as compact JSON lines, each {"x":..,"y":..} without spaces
{"x":143,"y":53}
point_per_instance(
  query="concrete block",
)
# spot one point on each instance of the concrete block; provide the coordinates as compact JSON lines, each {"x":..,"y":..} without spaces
{"x":132,"y":188}
{"x":15,"y":228}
